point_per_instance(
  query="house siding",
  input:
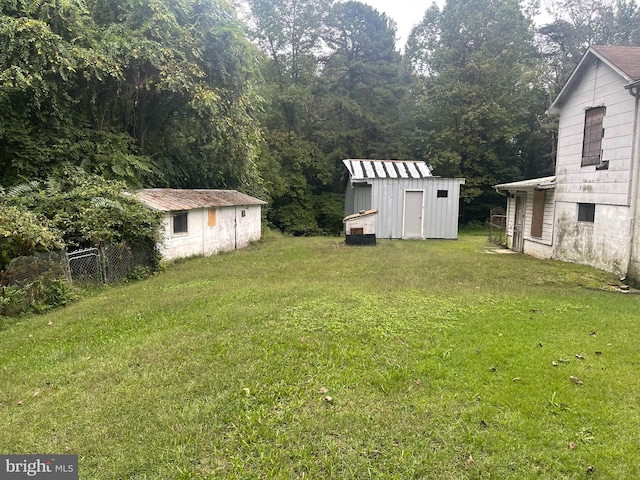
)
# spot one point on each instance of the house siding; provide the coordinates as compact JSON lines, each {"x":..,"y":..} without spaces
{"x":608,"y":77}
{"x":600,"y":85}
{"x":541,"y":247}
{"x":602,"y":244}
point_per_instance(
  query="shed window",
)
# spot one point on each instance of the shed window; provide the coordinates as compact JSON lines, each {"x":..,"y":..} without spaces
{"x":443,"y":193}
{"x":180,"y":222}
{"x":537,"y":217}
{"x":212,"y":217}
{"x":593,"y":134}
{"x":586,"y":212}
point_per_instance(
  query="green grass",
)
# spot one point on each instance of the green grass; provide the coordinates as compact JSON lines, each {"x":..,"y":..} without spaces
{"x":437,"y":355}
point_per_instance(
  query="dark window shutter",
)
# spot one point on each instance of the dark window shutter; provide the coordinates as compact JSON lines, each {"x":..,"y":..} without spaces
{"x":537,"y":219}
{"x":593,"y":133}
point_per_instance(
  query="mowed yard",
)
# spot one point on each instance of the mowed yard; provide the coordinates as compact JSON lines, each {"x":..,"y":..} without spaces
{"x":304,"y":358}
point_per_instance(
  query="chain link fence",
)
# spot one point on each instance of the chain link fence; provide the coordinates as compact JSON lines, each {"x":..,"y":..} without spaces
{"x":110,"y":263}
{"x":22,"y":270}
{"x":119,"y":260}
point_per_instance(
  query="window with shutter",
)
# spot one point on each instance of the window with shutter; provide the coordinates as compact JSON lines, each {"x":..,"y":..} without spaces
{"x":537,"y":220}
{"x":593,"y":133}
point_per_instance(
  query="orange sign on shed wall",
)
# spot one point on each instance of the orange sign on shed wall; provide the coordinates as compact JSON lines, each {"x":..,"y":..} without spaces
{"x":212,"y":217}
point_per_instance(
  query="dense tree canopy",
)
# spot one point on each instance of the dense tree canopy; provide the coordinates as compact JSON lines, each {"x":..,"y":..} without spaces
{"x":479,"y":96}
{"x":181,"y":93}
{"x":157,"y":92}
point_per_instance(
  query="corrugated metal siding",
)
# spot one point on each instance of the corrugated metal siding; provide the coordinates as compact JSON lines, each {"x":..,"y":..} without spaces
{"x":362,"y":199}
{"x":440,"y":214}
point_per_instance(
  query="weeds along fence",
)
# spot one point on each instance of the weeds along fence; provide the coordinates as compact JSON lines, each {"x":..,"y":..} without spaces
{"x":109,"y":263}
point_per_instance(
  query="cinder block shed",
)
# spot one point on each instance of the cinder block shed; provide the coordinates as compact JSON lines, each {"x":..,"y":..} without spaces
{"x":204,"y":222}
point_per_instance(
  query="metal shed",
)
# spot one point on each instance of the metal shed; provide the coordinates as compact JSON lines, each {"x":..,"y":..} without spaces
{"x":411,"y":202}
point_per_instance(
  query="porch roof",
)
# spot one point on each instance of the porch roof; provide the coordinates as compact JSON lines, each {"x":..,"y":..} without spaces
{"x":543,"y":183}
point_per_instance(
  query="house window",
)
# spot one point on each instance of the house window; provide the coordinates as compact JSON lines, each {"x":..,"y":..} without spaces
{"x":537,"y":217}
{"x":586,"y":212}
{"x":593,"y":134}
{"x":212,"y":217}
{"x":442,"y":194}
{"x":180,"y":222}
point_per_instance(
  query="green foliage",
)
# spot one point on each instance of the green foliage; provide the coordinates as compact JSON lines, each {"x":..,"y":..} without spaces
{"x":154,"y":93}
{"x":361,"y":86}
{"x":297,"y":172}
{"x":44,"y":293}
{"x":24,"y":232}
{"x":478,"y":100}
{"x":289,"y":32}
{"x":88,"y":209}
{"x":330,"y":212}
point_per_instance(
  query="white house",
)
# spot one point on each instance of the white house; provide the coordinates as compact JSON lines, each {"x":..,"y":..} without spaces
{"x":204,"y":222}
{"x":411,"y":203}
{"x":587,"y":212}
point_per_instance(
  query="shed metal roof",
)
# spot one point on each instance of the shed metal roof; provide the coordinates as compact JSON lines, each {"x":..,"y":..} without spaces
{"x":365,"y":169}
{"x":543,"y":183}
{"x":170,"y":199}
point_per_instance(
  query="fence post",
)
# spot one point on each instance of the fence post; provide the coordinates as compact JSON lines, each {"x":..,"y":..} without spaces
{"x":102,"y":256}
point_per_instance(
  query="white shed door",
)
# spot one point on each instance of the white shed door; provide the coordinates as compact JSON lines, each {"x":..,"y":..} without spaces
{"x":413,"y":214}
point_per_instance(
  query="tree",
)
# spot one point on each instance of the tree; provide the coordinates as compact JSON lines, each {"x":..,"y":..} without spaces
{"x":289,"y":32}
{"x":361,"y":86}
{"x":23,"y":233}
{"x":159,"y":92}
{"x":574,"y":28}
{"x":297,"y":176}
{"x":476,"y":98}
{"x":87,"y":209}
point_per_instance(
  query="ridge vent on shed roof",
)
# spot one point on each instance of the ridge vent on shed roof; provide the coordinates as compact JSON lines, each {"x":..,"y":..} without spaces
{"x":362,"y":169}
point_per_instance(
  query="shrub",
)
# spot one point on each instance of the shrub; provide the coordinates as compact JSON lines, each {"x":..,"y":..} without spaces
{"x":23,"y":233}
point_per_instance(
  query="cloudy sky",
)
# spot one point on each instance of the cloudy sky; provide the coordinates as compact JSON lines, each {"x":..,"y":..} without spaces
{"x":408,"y":13}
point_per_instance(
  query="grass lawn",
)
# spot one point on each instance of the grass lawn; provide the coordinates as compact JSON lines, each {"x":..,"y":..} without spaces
{"x":304,"y":358}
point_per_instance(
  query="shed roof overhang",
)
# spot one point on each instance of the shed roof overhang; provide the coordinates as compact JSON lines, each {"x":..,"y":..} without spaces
{"x":363,"y":213}
{"x":178,"y":199}
{"x":543,"y":183}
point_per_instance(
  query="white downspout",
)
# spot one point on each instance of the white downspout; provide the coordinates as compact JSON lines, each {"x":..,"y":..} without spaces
{"x":634,"y":90}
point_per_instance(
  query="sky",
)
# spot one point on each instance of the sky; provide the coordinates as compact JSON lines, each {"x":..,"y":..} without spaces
{"x":408,"y":13}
